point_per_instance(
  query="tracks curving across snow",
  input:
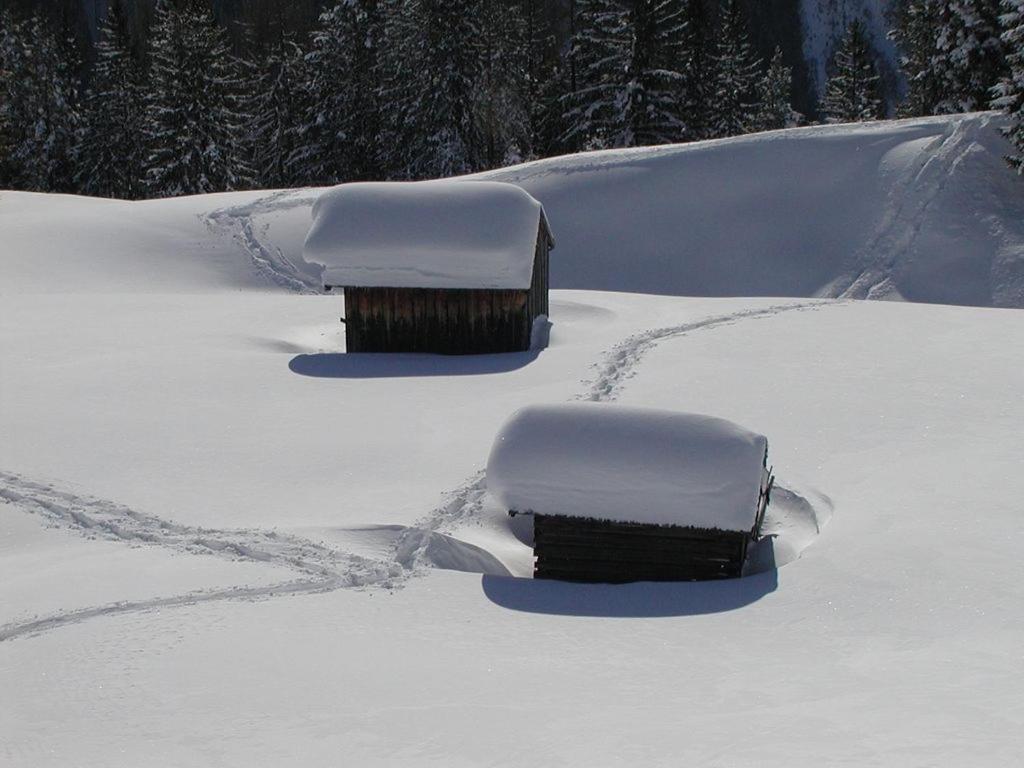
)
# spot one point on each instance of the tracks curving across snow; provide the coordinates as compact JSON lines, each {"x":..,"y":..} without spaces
{"x":621,"y":361}
{"x":318,"y":567}
{"x":272,"y":263}
{"x":466,"y":503}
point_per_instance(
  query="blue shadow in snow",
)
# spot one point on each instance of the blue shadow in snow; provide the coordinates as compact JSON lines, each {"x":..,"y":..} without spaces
{"x":638,"y":600}
{"x":399,"y":365}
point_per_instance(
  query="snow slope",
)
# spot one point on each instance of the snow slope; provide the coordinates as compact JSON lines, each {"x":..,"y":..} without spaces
{"x":224,"y":542}
{"x":915,"y":209}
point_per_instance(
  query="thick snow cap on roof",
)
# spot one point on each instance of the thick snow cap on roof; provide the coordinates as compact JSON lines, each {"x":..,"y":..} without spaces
{"x":634,"y":465}
{"x":425,"y":234}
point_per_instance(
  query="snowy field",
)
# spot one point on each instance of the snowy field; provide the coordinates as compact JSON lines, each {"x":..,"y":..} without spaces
{"x":224,"y":542}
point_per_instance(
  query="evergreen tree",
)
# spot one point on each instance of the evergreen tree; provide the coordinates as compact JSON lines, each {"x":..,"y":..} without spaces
{"x":916,"y":35}
{"x":969,"y":57}
{"x":279,"y":106}
{"x":852,"y":92}
{"x":544,"y":80}
{"x":1009,"y":94}
{"x":111,"y":152}
{"x":776,"y":109}
{"x":196,"y":126}
{"x":10,"y":55}
{"x":39,"y":113}
{"x":699,"y":63}
{"x":599,"y":50}
{"x":502,"y":89}
{"x":434,"y":62}
{"x":341,"y":135}
{"x":630,"y":87}
{"x":655,"y":89}
{"x":735,"y":109}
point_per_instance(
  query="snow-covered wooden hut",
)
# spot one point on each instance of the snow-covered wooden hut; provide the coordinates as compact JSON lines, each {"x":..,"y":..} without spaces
{"x":628,"y":494}
{"x":437,"y":266}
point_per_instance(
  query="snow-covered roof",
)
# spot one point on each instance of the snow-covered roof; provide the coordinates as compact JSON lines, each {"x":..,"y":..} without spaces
{"x":628,"y":465}
{"x":425,"y":234}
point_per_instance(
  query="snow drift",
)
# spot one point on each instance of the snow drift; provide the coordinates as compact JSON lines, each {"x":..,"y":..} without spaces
{"x":923,"y":210}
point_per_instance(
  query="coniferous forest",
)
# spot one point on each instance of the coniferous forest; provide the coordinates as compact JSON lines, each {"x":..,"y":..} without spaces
{"x":183,"y":98}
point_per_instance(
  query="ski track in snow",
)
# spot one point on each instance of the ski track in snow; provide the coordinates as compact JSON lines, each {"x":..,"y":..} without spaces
{"x":910,"y":198}
{"x":621,"y":361}
{"x":319,"y":568}
{"x":269,"y":262}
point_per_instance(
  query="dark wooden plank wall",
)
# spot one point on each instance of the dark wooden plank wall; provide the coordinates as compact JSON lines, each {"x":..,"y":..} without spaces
{"x":447,"y":321}
{"x":574,"y":549}
{"x":538,"y":298}
{"x":440,"y":321}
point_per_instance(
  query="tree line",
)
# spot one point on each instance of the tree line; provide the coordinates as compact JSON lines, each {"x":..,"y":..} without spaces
{"x":414,"y":89}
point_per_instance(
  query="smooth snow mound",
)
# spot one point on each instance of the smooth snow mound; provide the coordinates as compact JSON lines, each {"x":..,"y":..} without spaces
{"x":434,"y":234}
{"x":628,"y":465}
{"x":924,"y":210}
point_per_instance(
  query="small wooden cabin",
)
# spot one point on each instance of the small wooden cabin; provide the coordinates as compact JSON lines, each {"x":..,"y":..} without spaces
{"x":628,"y":494}
{"x":449,"y":267}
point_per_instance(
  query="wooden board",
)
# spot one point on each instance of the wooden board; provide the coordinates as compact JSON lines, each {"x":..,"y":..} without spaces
{"x":575,"y":549}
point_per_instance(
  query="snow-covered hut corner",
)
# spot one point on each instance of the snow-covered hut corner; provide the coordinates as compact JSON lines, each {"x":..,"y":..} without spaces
{"x":446,"y":266}
{"x":628,"y":494}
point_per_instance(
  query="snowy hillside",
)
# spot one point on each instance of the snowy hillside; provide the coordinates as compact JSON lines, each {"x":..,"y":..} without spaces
{"x":919,"y":209}
{"x":223,"y":541}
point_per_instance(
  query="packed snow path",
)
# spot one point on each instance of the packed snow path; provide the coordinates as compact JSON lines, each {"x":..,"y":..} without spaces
{"x":319,"y":568}
{"x":270,"y":261}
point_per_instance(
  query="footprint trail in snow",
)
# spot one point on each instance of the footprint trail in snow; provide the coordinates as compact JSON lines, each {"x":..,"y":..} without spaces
{"x":318,"y":568}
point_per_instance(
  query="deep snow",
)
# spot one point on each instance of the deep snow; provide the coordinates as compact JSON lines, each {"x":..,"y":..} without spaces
{"x":222,"y":541}
{"x":425,"y":234}
{"x":639,"y":465}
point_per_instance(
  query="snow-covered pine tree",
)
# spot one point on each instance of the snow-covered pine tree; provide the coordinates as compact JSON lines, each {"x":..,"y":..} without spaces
{"x":40,"y":110}
{"x":544,"y":79}
{"x":969,"y":58}
{"x":10,"y":55}
{"x":278,"y":107}
{"x":916,"y":35}
{"x":852,"y":91}
{"x":111,"y":150}
{"x":734,"y":109}
{"x":196,"y":126}
{"x":501,"y":107}
{"x":656,"y":83}
{"x":594,"y":113}
{"x":698,"y":62}
{"x":1009,"y":93}
{"x":630,"y":87}
{"x":433,"y":64}
{"x":340,"y":137}
{"x":776,"y":108}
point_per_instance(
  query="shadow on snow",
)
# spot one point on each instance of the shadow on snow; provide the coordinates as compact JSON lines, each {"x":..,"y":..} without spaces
{"x":390,"y":365}
{"x":637,"y":600}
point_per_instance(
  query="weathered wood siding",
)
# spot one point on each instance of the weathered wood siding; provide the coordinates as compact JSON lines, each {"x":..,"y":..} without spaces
{"x":538,"y":298}
{"x":573,"y":549}
{"x":450,"y":322}
{"x":447,"y":321}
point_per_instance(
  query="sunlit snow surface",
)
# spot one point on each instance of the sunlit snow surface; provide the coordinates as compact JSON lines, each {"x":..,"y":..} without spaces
{"x":224,"y":542}
{"x":433,"y":234}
